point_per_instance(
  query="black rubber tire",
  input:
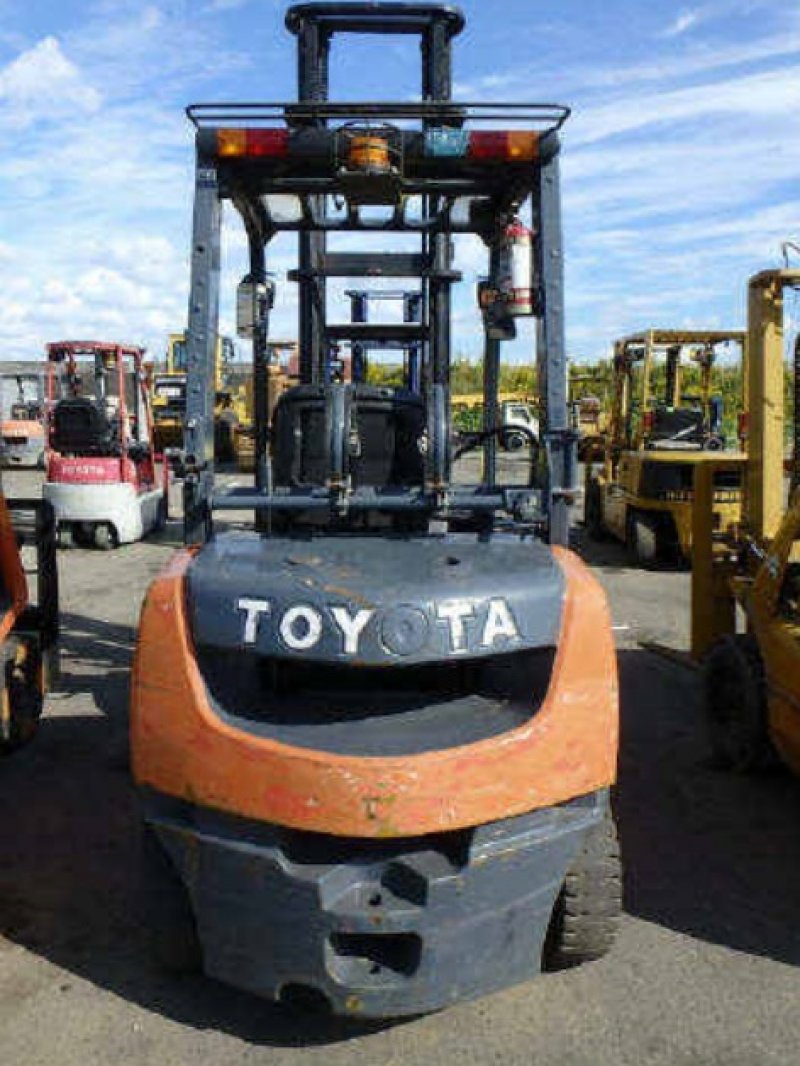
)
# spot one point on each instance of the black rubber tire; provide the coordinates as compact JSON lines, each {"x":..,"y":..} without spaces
{"x":514,"y":441}
{"x":586,"y":916}
{"x":166,"y":911}
{"x":82,"y":538}
{"x":593,"y":514}
{"x":736,"y":705}
{"x":105,"y":536}
{"x":643,"y":539}
{"x":162,"y":515}
{"x":19,"y":685}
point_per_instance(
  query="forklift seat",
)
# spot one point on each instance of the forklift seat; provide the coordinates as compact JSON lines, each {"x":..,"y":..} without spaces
{"x":384,"y":440}
{"x":679,"y":425}
{"x":81,"y":427}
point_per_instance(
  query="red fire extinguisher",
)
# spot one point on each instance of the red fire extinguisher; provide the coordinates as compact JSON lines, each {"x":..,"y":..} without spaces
{"x":515,"y":269}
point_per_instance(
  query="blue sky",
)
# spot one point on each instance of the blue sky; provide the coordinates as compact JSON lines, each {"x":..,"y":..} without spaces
{"x":681,"y":162}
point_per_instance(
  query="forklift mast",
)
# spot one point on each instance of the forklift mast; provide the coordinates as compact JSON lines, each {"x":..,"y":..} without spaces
{"x":432,"y":169}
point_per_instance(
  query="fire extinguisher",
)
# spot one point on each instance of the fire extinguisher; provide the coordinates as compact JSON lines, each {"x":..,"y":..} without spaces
{"x":515,"y":269}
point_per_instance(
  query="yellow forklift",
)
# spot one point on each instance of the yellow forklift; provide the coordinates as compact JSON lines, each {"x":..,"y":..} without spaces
{"x":278,"y":381}
{"x":752,"y":679}
{"x":169,"y":401}
{"x":659,"y":434}
{"x":588,"y":392}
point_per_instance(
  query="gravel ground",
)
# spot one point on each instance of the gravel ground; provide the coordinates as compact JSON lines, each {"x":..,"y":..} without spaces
{"x":705,"y":969}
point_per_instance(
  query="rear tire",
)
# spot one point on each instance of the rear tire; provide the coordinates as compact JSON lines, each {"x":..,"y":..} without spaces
{"x":736,"y":705}
{"x":643,"y":539}
{"x":593,"y":516}
{"x":514,"y":441}
{"x":586,"y":916}
{"x":166,"y":911}
{"x":21,"y":695}
{"x":83,"y":537}
{"x":105,"y":536}
{"x":161,"y":514}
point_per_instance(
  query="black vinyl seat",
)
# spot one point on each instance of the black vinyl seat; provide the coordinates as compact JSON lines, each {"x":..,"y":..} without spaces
{"x":81,"y":427}
{"x":384,"y":445}
{"x":677,"y":425}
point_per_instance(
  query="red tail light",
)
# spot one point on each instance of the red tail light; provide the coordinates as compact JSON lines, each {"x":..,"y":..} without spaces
{"x":744,"y":425}
{"x":248,"y":144}
{"x":505,"y":146}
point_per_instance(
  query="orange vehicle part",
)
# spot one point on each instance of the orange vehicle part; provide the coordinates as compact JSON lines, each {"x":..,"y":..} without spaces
{"x":12,"y":575}
{"x":567,"y":749}
{"x":19,"y":427}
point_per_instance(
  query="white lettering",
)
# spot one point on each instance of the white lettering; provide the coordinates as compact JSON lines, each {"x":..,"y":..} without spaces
{"x":253,"y":610}
{"x":455,"y":613}
{"x":312,"y":627}
{"x":351,"y":627}
{"x":499,"y":623}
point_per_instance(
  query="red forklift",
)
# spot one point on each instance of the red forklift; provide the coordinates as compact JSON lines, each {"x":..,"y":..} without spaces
{"x":103,"y":479}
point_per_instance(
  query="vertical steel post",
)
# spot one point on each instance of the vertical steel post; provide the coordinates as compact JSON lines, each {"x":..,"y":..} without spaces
{"x":765,"y":434}
{"x":491,"y":385}
{"x":437,"y":85}
{"x":261,"y":375}
{"x":312,"y":84}
{"x":551,"y":355}
{"x":713,"y":604}
{"x":412,"y":312}
{"x":201,"y":340}
{"x":359,"y":312}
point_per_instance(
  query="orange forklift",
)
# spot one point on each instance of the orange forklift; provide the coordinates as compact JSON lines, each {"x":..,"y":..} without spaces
{"x":373,"y":735}
{"x":29,"y":625}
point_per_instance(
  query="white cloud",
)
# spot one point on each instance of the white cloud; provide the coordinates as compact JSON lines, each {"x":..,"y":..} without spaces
{"x":42,"y":83}
{"x":684,"y":21}
{"x":756,"y":97}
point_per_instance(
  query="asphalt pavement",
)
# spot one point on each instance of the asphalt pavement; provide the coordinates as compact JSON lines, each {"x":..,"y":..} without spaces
{"x":705,"y":970}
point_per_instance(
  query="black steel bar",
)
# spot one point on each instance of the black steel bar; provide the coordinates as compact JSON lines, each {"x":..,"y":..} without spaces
{"x":373,"y":265}
{"x":400,"y":332}
{"x":361,"y":17}
{"x":491,"y":384}
{"x":458,"y":502}
{"x":551,"y":114}
{"x":312,"y":87}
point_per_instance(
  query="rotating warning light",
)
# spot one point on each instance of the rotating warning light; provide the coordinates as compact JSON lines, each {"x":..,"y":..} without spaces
{"x":368,"y":152}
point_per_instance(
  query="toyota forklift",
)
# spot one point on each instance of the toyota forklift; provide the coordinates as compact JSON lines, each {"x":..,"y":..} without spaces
{"x":103,"y":477}
{"x":22,"y":419}
{"x":659,"y":434}
{"x":752,"y":677}
{"x":373,"y":734}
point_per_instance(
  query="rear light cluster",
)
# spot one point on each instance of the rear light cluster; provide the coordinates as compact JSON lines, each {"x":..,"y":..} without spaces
{"x":487,"y":146}
{"x":252,"y":143}
{"x":501,"y":146}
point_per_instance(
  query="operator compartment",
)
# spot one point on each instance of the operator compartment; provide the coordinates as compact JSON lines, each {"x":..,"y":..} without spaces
{"x":368,"y":646}
{"x":82,"y":427}
{"x":384,"y":437}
